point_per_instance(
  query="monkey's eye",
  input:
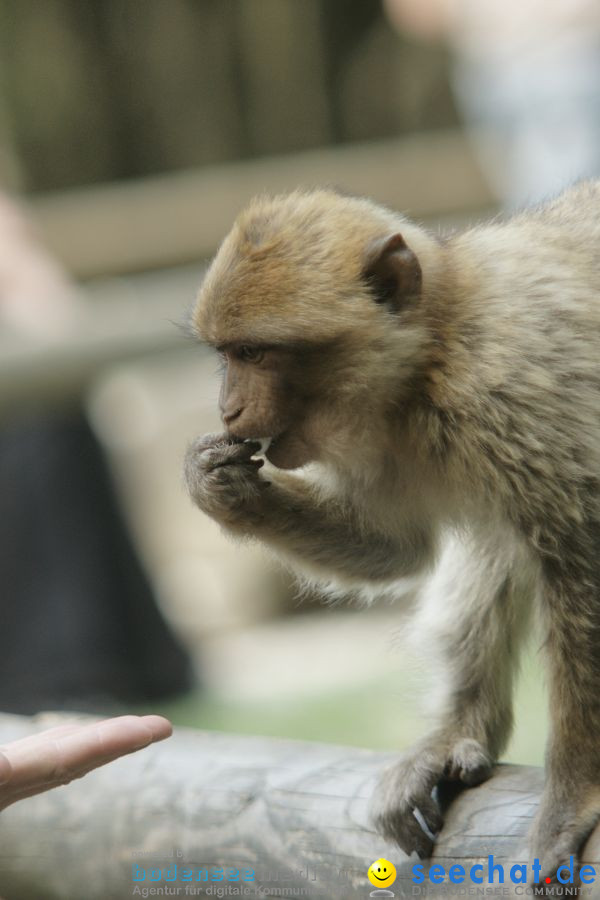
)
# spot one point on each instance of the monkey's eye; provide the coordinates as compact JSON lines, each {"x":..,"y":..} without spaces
{"x":251,"y":354}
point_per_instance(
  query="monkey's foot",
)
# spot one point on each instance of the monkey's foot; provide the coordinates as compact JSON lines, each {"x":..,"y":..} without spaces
{"x":560,"y":830}
{"x":403,"y":807}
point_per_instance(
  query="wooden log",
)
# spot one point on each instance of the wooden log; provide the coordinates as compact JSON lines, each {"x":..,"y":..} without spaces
{"x":291,"y":818}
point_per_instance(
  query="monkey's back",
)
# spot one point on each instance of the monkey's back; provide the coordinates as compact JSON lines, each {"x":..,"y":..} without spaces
{"x":528,"y":335}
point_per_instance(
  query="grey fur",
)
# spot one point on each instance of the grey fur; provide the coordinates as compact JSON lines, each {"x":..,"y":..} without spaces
{"x":469,"y":415}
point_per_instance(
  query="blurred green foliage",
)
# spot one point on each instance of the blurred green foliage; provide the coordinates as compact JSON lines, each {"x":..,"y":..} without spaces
{"x":383,"y":714}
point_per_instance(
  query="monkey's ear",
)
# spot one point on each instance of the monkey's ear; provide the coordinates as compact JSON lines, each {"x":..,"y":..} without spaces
{"x":393,"y":272}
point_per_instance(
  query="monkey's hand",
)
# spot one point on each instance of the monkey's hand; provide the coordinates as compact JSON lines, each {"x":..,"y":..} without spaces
{"x":404,"y":793}
{"x":565,"y":819}
{"x":223,"y":480}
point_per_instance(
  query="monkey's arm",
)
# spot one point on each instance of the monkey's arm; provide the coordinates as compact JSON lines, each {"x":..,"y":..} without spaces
{"x":329,"y":535}
{"x":288,"y":515}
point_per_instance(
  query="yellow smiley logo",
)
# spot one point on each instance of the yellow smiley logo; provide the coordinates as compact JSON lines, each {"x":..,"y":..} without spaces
{"x":381,"y":873}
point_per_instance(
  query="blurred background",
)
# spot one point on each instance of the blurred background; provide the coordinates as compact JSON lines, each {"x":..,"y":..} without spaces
{"x":130,"y":136}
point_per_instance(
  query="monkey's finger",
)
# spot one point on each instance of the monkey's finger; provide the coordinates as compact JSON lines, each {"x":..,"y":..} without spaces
{"x":230,"y":454}
{"x":430,"y":813}
{"x":251,"y":465}
{"x":213,"y":439}
{"x":410,"y":835}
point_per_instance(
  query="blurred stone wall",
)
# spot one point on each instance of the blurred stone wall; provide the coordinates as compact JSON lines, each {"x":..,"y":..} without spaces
{"x":109,"y":89}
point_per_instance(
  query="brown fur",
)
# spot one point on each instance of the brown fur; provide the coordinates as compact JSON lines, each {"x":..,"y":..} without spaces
{"x":449,"y":424}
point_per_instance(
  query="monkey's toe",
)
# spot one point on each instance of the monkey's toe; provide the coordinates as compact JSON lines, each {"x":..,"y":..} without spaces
{"x":403,"y":808}
{"x":554,"y":862}
{"x":413,"y":828}
{"x":469,"y":762}
{"x":562,"y":826}
{"x":406,"y":830}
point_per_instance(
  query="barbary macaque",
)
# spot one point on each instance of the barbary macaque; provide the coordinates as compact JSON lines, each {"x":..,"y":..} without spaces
{"x":399,"y":404}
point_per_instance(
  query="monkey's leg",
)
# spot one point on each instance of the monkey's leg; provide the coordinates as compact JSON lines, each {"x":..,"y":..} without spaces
{"x":570,"y":805}
{"x":476,"y":608}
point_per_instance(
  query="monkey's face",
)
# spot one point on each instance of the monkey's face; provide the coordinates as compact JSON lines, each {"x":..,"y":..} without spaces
{"x":310,"y":302}
{"x":266,"y":394}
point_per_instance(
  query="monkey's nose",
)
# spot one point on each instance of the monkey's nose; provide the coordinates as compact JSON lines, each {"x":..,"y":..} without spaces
{"x":230,"y":416}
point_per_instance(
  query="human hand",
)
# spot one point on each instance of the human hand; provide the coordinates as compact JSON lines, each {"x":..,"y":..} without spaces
{"x":46,"y":760}
{"x":37,"y":297}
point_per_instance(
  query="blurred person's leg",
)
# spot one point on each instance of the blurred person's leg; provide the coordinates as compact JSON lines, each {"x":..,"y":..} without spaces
{"x":80,"y":626}
{"x":527,"y":81}
{"x":534,"y":120}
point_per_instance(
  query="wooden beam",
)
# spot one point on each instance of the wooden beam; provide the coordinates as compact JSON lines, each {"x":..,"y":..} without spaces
{"x":295,"y":814}
{"x":182,"y":216}
{"x":119,"y":320}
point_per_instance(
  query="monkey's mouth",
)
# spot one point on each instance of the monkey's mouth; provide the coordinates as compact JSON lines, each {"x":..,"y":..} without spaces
{"x":269,"y":445}
{"x":264,"y":442}
{"x":285,"y":451}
